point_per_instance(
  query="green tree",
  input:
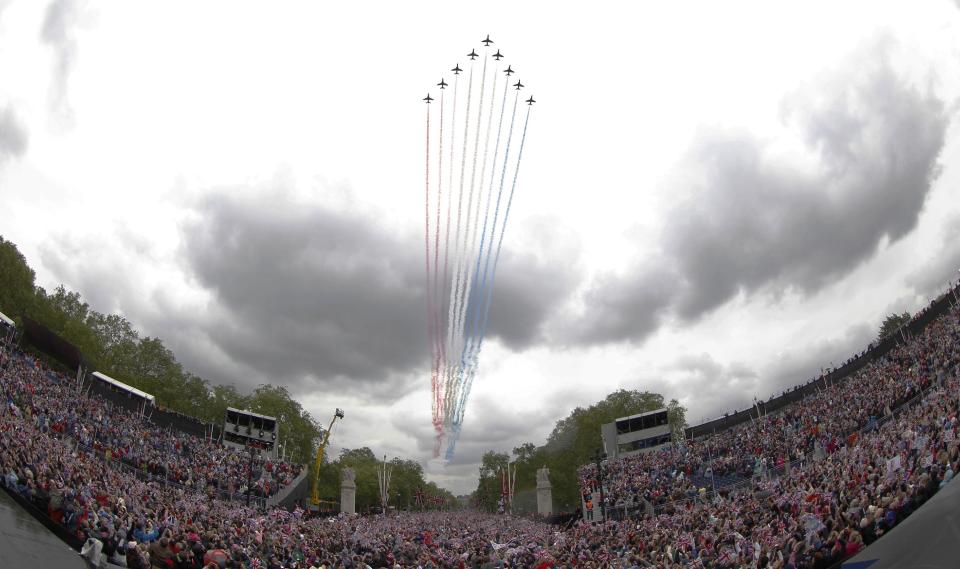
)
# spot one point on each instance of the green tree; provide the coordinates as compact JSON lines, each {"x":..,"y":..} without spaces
{"x":17,"y":289}
{"x":299,"y":431}
{"x":489,"y":487}
{"x":406,"y":479}
{"x":111,"y":344}
{"x":892,"y":323}
{"x":571,"y":444}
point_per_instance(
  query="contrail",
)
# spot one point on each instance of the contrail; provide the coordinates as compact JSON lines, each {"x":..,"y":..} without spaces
{"x":460,"y":294}
{"x":476,"y":295}
{"x":513,"y":187}
{"x":434,"y":298}
{"x":463,"y":392}
{"x":442,"y":292}
{"x":468,"y":242}
{"x":458,"y":251}
{"x":454,"y":334}
{"x":426,"y":239}
{"x":468,"y":382}
{"x":488,"y":282}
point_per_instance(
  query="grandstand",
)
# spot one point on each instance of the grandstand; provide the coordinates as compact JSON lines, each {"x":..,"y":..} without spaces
{"x":643,"y":432}
{"x":7,"y":327}
{"x":243,"y":429}
{"x":141,"y":398}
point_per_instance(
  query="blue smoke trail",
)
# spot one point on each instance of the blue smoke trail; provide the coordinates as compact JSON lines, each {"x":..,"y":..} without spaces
{"x":444,"y":344}
{"x":485,"y":282}
{"x":468,"y":241}
{"x":471,"y":372}
{"x":455,"y":299}
{"x":467,"y":370}
{"x":455,"y":335}
{"x":472,"y":311}
{"x":506,"y":215}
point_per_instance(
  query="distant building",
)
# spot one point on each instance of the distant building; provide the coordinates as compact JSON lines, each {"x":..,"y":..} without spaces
{"x":632,"y":435}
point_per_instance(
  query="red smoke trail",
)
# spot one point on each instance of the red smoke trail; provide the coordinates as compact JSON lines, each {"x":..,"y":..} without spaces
{"x":436,"y":341}
{"x":426,"y":240}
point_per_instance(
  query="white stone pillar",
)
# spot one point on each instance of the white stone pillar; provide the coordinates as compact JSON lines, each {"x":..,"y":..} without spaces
{"x":348,"y":492}
{"x":544,"y":493}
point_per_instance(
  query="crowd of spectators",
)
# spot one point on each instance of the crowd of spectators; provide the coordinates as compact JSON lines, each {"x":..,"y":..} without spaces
{"x":198,"y":464}
{"x":815,"y":425}
{"x":877,"y":446}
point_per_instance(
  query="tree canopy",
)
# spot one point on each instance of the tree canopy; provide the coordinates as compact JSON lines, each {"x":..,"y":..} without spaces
{"x":406,"y":479}
{"x":892,"y":323}
{"x":571,"y":444}
{"x":112,"y":345}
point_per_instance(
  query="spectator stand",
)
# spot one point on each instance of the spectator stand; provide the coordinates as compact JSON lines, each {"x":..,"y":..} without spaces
{"x":8,"y":329}
{"x":48,"y":342}
{"x":107,"y":386}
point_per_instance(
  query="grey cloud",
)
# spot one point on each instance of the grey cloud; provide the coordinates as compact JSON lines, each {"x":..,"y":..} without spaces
{"x":754,"y":220}
{"x":60,"y":23}
{"x":627,"y":307}
{"x":941,"y":268}
{"x":334,"y":296}
{"x":799,"y":365}
{"x":528,"y":289}
{"x":309,"y":291}
{"x":13,"y":135}
{"x":713,"y":388}
{"x":302,"y":295}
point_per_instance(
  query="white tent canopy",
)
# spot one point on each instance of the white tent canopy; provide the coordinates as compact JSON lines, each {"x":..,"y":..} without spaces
{"x":124,"y":387}
{"x":6,"y":320}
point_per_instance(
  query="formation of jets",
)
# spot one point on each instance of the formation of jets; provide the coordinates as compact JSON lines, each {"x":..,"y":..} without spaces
{"x":473,"y":55}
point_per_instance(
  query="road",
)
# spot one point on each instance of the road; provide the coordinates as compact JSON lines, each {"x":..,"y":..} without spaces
{"x":26,"y":544}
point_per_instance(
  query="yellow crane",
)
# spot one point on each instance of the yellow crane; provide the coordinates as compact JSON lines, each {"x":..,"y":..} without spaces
{"x":315,"y":495}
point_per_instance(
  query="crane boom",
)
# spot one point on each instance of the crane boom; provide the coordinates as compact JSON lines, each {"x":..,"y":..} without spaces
{"x":315,"y":494}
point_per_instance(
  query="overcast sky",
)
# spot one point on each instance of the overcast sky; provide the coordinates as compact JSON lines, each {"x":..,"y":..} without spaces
{"x":716,"y":199}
